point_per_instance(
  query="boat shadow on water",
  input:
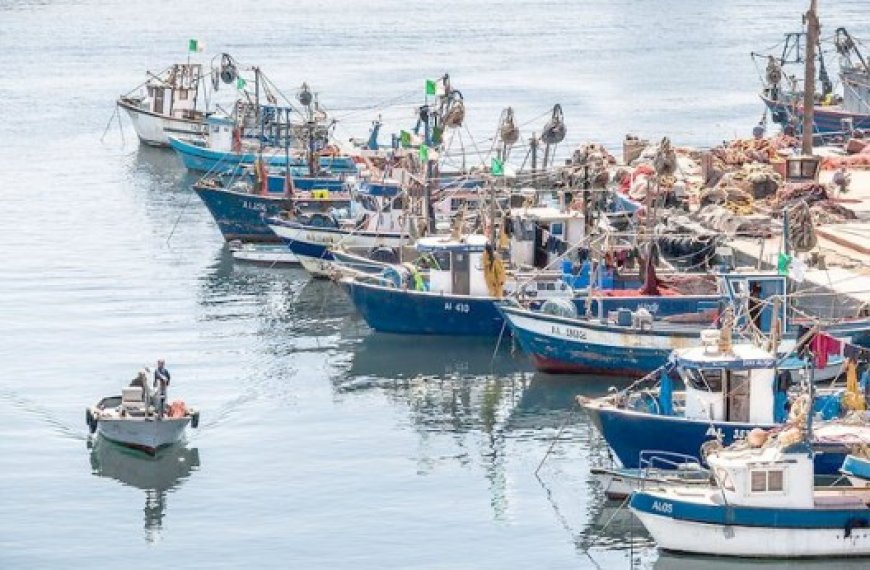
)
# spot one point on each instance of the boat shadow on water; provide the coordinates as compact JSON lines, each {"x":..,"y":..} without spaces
{"x":157,"y":475}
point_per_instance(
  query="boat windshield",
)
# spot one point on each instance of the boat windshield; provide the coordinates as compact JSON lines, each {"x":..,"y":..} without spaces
{"x":709,"y":380}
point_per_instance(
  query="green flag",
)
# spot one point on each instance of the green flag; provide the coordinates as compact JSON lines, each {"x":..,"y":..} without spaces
{"x":430,"y":87}
{"x":783,"y":262}
{"x":497,"y":167}
{"x":424,"y":153}
{"x":240,"y":83}
{"x":192,"y":46}
{"x":405,"y":139}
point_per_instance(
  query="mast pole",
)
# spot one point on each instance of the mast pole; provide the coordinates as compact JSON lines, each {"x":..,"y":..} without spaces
{"x":257,"y":102}
{"x":812,"y":21}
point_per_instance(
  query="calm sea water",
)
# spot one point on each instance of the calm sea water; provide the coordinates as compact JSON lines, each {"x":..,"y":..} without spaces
{"x":322,"y":445}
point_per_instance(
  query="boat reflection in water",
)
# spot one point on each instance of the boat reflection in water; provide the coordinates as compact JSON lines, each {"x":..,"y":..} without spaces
{"x":156,"y":475}
{"x":674,"y":561}
{"x":389,"y":356}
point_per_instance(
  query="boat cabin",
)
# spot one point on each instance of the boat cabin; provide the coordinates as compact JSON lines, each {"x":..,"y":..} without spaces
{"x":455,"y":265}
{"x":379,"y":207}
{"x":174,"y":93}
{"x":756,"y":290}
{"x":765,"y":477}
{"x":220,"y":133}
{"x":734,"y":386}
{"x":539,"y":236}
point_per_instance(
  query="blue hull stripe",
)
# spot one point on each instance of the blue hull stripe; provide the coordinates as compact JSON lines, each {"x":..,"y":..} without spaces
{"x":731,"y":515}
{"x":203,"y":159}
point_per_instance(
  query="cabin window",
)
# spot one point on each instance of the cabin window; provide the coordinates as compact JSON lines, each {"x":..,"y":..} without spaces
{"x":766,"y":481}
{"x":556,"y":228}
{"x":441,"y":260}
{"x":759,"y":481}
{"x":774,"y":480}
{"x":707,"y":380}
{"x":182,"y":94}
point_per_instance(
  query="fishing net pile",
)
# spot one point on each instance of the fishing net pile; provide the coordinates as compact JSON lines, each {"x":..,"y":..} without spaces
{"x":818,"y":198}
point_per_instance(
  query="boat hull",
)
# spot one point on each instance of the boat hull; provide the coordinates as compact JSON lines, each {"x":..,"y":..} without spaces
{"x":560,"y":345}
{"x":155,"y":130}
{"x":146,"y":434}
{"x":684,"y":526}
{"x":315,"y":242}
{"x":826,"y":120}
{"x":203,"y":159}
{"x":400,"y":311}
{"x":630,"y":433}
{"x":241,"y":216}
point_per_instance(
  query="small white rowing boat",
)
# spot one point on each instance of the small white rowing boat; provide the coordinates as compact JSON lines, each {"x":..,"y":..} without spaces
{"x":131,"y":420}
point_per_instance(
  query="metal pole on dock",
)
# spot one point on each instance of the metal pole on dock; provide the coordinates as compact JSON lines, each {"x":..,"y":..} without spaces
{"x":812,"y":21}
{"x":533,"y":142}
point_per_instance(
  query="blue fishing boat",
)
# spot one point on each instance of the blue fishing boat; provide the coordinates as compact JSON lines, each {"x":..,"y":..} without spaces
{"x":242,"y":214}
{"x":630,"y":342}
{"x":729,"y":391}
{"x":457,"y":301}
{"x":833,"y":113}
{"x":201,"y":156}
{"x":454,"y":295}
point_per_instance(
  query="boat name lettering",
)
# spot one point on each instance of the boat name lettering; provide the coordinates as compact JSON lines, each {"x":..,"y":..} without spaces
{"x":663,"y":507}
{"x":567,"y":331}
{"x":651,"y":307}
{"x":458,"y":307}
{"x":318,"y":238}
{"x":251,"y":205}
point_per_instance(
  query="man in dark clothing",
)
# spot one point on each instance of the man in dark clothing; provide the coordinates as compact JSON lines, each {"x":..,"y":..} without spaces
{"x":161,"y":383}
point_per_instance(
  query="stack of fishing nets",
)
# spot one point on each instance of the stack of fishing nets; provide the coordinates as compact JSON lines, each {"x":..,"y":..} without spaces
{"x":591,"y":158}
{"x":860,"y":159}
{"x":672,"y":170}
{"x":743,"y":151}
{"x":818,"y":199}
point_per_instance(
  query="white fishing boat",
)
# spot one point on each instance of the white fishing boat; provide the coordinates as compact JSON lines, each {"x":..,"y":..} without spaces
{"x":132,"y":419}
{"x":763,"y":503}
{"x":167,"y":104}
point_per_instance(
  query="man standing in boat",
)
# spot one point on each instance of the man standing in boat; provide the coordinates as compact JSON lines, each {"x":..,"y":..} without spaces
{"x":161,"y":383}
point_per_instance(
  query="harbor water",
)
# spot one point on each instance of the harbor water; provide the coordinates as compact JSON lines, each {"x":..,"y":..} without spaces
{"x":322,"y":444}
